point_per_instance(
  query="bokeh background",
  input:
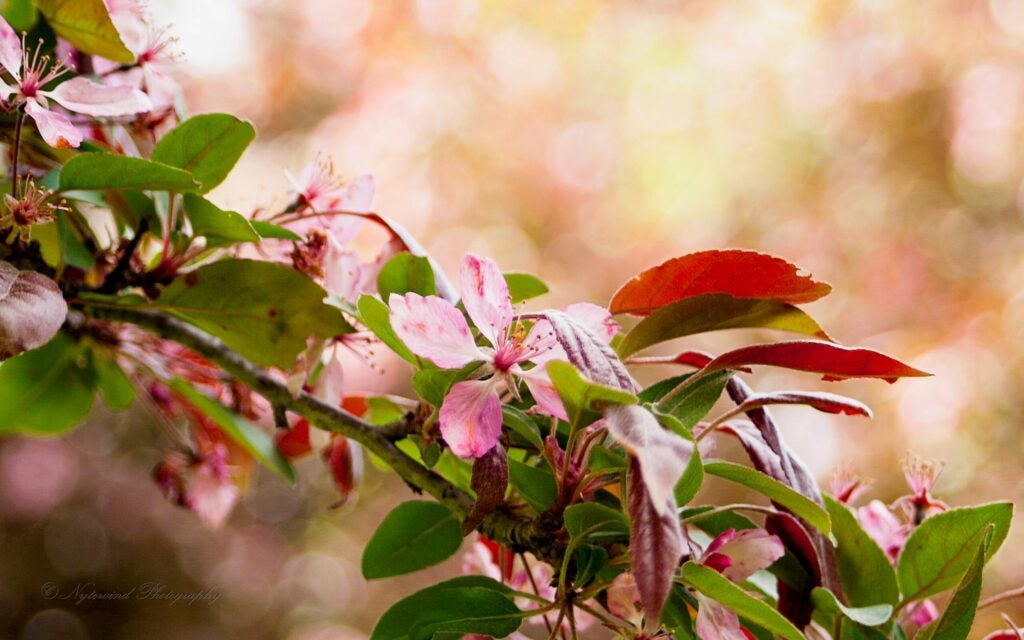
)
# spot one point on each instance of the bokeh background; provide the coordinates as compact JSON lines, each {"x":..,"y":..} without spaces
{"x":879,"y":145}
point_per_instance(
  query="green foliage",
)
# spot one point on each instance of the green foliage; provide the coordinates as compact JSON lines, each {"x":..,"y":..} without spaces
{"x":271,"y":230}
{"x":115,"y":387}
{"x":692,"y":403}
{"x":717,"y":587}
{"x":47,"y":390}
{"x":522,"y":425}
{"x":864,"y":570}
{"x":583,"y":399}
{"x":263,"y":310}
{"x":713,"y":312}
{"x":207,"y":146}
{"x":406,"y":273}
{"x":98,"y":171}
{"x":464,"y":605}
{"x":870,"y":616}
{"x":87,"y":25}
{"x":249,"y":436}
{"x":773,"y":489}
{"x":956,"y":620}
{"x":596,"y":522}
{"x":535,"y":484}
{"x":415,"y":535}
{"x":939,"y":552}
{"x":524,"y":286}
{"x":375,"y":316}
{"x":218,"y":226}
{"x":20,"y":14}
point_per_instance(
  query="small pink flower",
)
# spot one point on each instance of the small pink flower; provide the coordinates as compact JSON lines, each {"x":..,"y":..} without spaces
{"x":319,"y":190}
{"x":81,"y":95}
{"x":921,"y":477}
{"x":924,"y":613}
{"x":846,"y":486}
{"x":884,"y":528}
{"x":203,"y":486}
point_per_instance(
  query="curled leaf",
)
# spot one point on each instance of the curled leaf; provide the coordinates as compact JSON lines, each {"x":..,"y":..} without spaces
{"x":656,"y":542}
{"x":591,"y":355}
{"x":32,"y":310}
{"x":741,"y":274}
{"x":489,"y":482}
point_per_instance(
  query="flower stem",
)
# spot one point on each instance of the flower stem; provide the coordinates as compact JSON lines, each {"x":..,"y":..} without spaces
{"x":17,"y":152}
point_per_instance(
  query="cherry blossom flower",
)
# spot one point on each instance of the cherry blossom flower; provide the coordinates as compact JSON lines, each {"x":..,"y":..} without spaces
{"x":921,"y":476}
{"x":203,"y":485}
{"x":32,"y":72}
{"x":737,"y":555}
{"x":884,"y":528}
{"x":318,"y":189}
{"x":433,"y":328}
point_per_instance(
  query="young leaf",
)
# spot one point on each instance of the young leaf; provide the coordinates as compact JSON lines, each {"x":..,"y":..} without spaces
{"x":263,"y":310}
{"x":444,"y":287}
{"x":377,"y":319}
{"x":717,"y":587}
{"x":249,"y":436}
{"x":714,"y":312}
{"x":939,"y":551}
{"x":741,"y":274}
{"x":871,"y":616}
{"x":522,"y":425}
{"x":595,"y":359}
{"x":774,"y":490}
{"x":489,"y":483}
{"x":581,"y":397}
{"x":32,"y":310}
{"x":415,"y":535}
{"x":86,"y":25}
{"x":536,"y":485}
{"x":464,"y":605}
{"x":694,"y":402}
{"x":596,"y":522}
{"x":216,"y":224}
{"x":956,"y":620}
{"x":433,"y":384}
{"x":207,"y":146}
{"x":115,"y":387}
{"x":656,"y":541}
{"x":22,"y":15}
{"x":835,"y":361}
{"x":864,"y":570}
{"x":406,"y":273}
{"x":47,"y":390}
{"x":270,"y":230}
{"x":97,"y":171}
{"x":524,"y":286}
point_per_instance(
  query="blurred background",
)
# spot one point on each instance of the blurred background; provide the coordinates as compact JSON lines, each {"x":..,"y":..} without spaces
{"x":879,"y":145}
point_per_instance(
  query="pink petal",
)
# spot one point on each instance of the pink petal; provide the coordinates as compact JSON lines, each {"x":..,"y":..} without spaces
{"x":10,"y":49}
{"x":330,"y":383}
{"x":358,"y":195}
{"x":471,"y":418}
{"x":485,"y":296}
{"x":56,"y":129}
{"x":432,"y":328}
{"x":595,"y":318}
{"x":748,"y":552}
{"x":715,"y":622}
{"x":85,"y":96}
{"x":924,"y":613}
{"x":623,"y":598}
{"x":543,"y":392}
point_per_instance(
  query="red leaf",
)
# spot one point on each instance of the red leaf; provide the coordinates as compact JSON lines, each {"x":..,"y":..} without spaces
{"x":656,"y":544}
{"x":591,"y":355}
{"x":836,"y":362}
{"x":344,"y":459}
{"x":741,"y":274}
{"x":827,"y":402}
{"x":489,"y":482}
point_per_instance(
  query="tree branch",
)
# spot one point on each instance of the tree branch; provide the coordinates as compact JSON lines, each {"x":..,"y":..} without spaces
{"x":503,"y":526}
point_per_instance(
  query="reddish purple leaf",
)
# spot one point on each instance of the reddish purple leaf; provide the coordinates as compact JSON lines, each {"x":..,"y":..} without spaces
{"x":32,"y":310}
{"x":591,"y":355}
{"x":741,"y":274}
{"x":656,"y":544}
{"x":834,"y":361}
{"x":827,"y":402}
{"x":662,"y":456}
{"x":489,"y":482}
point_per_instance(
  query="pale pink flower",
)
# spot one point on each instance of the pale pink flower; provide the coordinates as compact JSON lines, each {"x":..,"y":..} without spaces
{"x":924,"y":613}
{"x":32,"y":72}
{"x":433,"y":328}
{"x":884,"y":528}
{"x":737,"y":555}
{"x":921,"y":477}
{"x":624,"y":599}
{"x":319,"y":190}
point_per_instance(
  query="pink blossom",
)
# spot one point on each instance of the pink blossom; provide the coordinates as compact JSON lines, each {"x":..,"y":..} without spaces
{"x":32,"y":72}
{"x":921,"y":477}
{"x":203,"y":485}
{"x":624,"y":599}
{"x":433,"y":328}
{"x":924,"y":613}
{"x":884,"y":528}
{"x":319,"y":190}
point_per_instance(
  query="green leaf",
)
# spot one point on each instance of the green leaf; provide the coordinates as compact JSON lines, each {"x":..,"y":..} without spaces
{"x":939,"y":551}
{"x":692,"y":403}
{"x":87,"y":25}
{"x":377,"y":318}
{"x":956,"y":620}
{"x":712,"y":312}
{"x":207,"y":146}
{"x":415,"y":535}
{"x":536,"y":485}
{"x":774,"y":490}
{"x":20,"y":14}
{"x":270,"y":230}
{"x":46,"y":390}
{"x":583,"y":399}
{"x":216,"y":224}
{"x":406,"y":273}
{"x":93,"y":171}
{"x":522,"y":425}
{"x":249,"y":436}
{"x":870,"y":616}
{"x":464,"y":605}
{"x":717,"y":587}
{"x":675,"y":614}
{"x":596,"y":522}
{"x":72,"y":250}
{"x":865,"y":573}
{"x":115,"y":387}
{"x":263,"y":310}
{"x":590,"y":560}
{"x":524,"y":286}
{"x":433,"y":384}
